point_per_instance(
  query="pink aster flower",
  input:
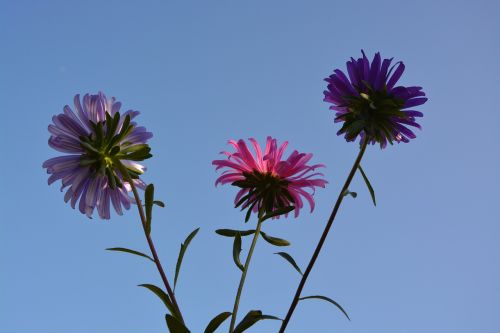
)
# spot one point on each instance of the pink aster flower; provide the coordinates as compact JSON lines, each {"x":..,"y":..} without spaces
{"x":269,"y":182}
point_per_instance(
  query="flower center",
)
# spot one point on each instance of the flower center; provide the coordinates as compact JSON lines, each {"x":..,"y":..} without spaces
{"x":107,"y":145}
{"x":266,"y":190}
{"x":373,"y":112}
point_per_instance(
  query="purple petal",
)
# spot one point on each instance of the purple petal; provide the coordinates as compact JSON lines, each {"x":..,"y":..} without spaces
{"x":382,"y":75}
{"x":346,"y":84}
{"x":395,"y":77}
{"x":352,"y":72}
{"x":84,"y":117}
{"x":375,"y":69}
{"x":65,"y":145}
{"x":413,"y":113}
{"x":366,"y":66}
{"x":414,"y":102}
{"x":405,"y":131}
{"x":115,"y":200}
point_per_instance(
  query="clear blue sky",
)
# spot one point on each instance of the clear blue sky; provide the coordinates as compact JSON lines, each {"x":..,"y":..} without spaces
{"x":426,"y":259}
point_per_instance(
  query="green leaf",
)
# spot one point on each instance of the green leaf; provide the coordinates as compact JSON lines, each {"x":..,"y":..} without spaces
{"x":135,"y":148}
{"x":125,"y":127}
{"x":137,"y":253}
{"x":237,"y":251}
{"x":289,"y":258}
{"x":175,"y":325}
{"x":111,"y":124}
{"x":324,"y":298}
{"x":274,"y":240}
{"x":217,"y":321}
{"x":352,"y":194}
{"x":86,"y":161}
{"x":250,"y":319}
{"x":277,"y":212}
{"x":148,"y":198}
{"x":137,"y":152}
{"x":354,"y":129}
{"x":249,"y":211}
{"x":163,"y":296}
{"x":89,"y":147}
{"x":159,"y":203}
{"x":243,"y":199}
{"x":99,"y":134}
{"x":367,"y":182}
{"x":233,"y":233}
{"x":111,"y":178}
{"x":183,"y":249}
{"x":115,"y":150}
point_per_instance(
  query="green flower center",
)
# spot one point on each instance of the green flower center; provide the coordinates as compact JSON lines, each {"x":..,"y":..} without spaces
{"x":106,"y":146}
{"x":266,"y":190}
{"x":372,"y":112}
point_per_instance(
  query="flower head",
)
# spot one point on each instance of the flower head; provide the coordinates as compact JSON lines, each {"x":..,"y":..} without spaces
{"x":269,"y":183}
{"x":98,"y":139}
{"x":370,"y":104}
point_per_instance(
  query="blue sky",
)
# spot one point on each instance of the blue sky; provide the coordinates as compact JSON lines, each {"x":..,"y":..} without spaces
{"x":202,"y":72}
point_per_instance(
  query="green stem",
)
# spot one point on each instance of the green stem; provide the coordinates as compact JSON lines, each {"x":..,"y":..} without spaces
{"x":243,"y":276}
{"x":170,"y":292}
{"x":323,"y":236}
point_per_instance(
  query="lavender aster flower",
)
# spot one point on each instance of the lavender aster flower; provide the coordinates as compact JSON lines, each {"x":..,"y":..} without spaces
{"x":97,"y":139}
{"x":369,"y":102}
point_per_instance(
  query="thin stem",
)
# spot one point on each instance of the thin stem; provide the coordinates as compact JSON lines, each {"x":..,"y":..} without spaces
{"x":126,"y":175}
{"x":243,"y":276}
{"x":323,"y":236}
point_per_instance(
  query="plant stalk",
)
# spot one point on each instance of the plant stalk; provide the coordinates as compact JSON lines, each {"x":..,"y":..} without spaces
{"x":324,"y":235}
{"x":243,"y":276}
{"x":170,"y":292}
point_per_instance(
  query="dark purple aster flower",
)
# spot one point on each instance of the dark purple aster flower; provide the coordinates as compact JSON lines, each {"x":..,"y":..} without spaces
{"x":97,"y":139}
{"x":369,"y":102}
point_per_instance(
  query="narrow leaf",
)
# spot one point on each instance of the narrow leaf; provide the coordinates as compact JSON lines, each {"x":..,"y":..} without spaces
{"x":324,"y":298}
{"x":249,"y":212}
{"x":289,"y":258}
{"x":183,"y":249}
{"x":89,"y":147}
{"x":112,"y":127}
{"x":137,"y":253}
{"x":367,"y":182}
{"x":159,"y":203}
{"x":270,"y":317}
{"x":250,"y":319}
{"x":148,"y":198}
{"x":217,"y":321}
{"x":163,"y":296}
{"x":243,"y":199}
{"x":175,"y":325}
{"x":125,"y":128}
{"x":237,"y":251}
{"x":115,"y":150}
{"x":233,"y":233}
{"x":99,"y":134}
{"x":274,"y":240}
{"x":109,"y":127}
{"x":352,"y":194}
{"x":278,"y":212}
{"x":111,"y":178}
{"x":134,"y":148}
